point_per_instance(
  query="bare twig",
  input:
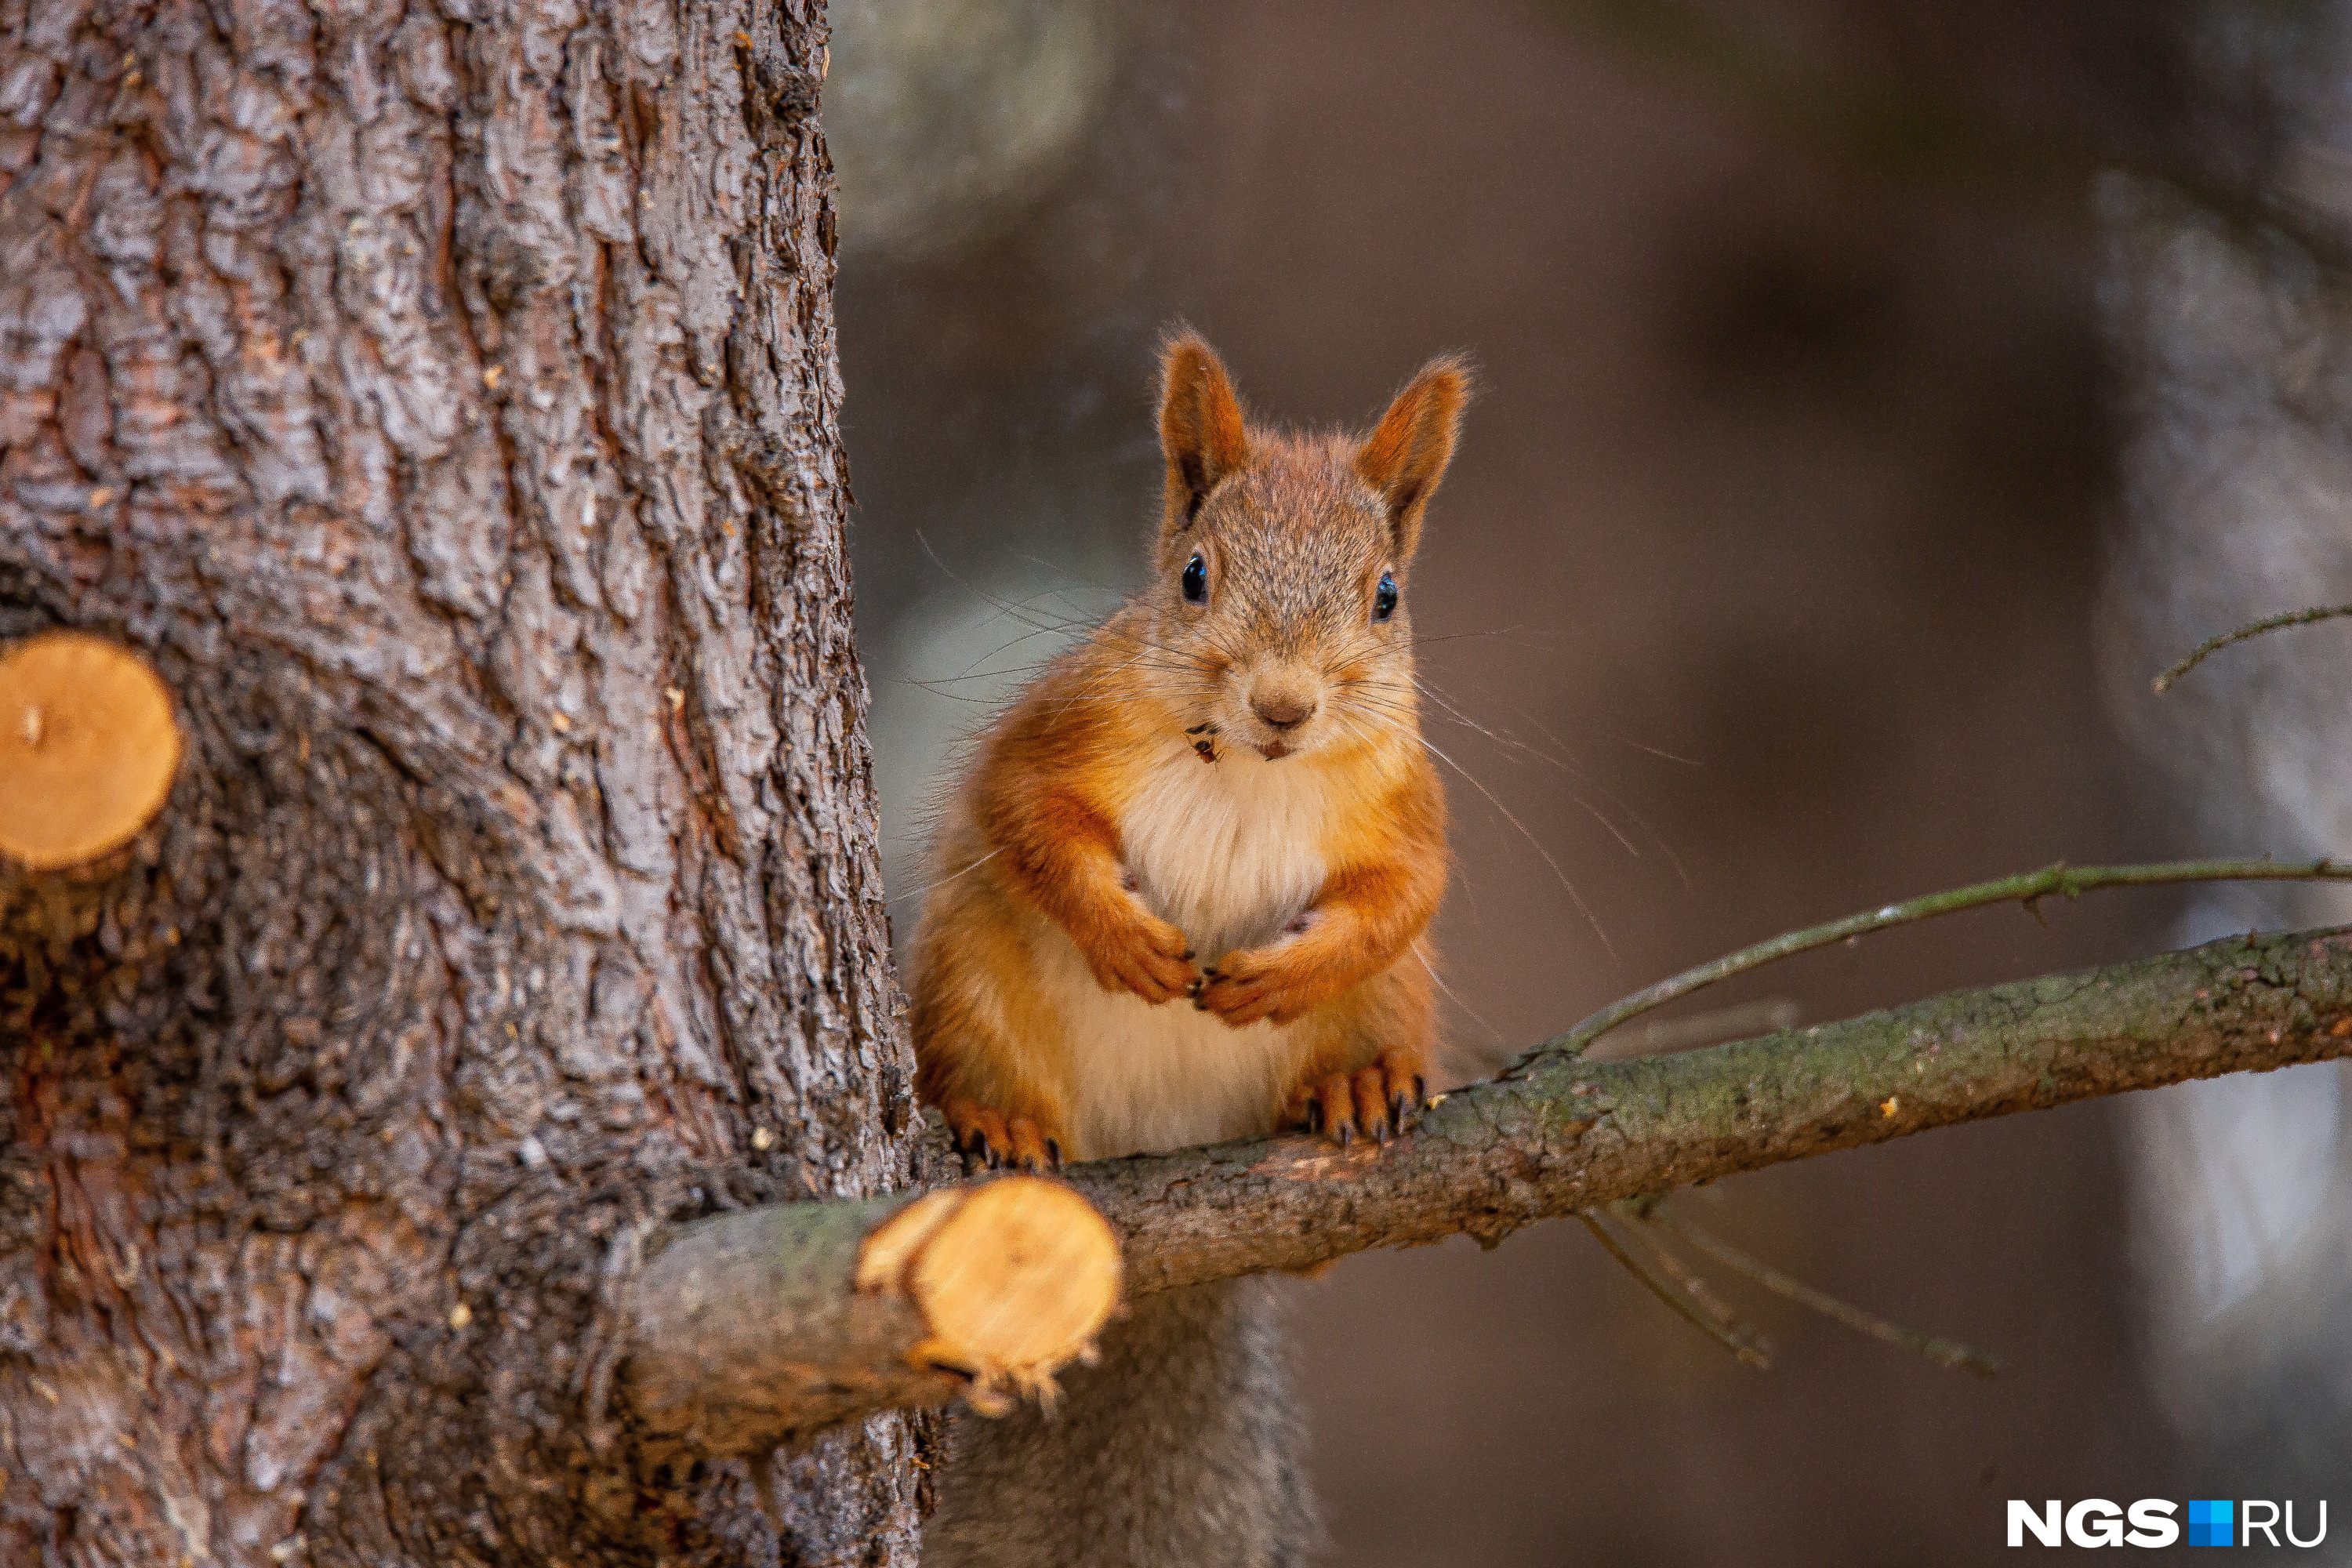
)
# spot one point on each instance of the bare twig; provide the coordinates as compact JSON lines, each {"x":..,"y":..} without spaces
{"x":1670,"y":1282}
{"x":1942,"y":1352}
{"x":2029,"y":887}
{"x":2246,"y":633}
{"x":1697,"y":1299}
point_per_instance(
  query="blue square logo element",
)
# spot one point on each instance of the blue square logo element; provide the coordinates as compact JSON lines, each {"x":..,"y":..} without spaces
{"x":2210,"y":1521}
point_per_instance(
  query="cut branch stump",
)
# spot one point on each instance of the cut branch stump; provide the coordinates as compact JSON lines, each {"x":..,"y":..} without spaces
{"x":751,"y":1329}
{"x":87,"y":749}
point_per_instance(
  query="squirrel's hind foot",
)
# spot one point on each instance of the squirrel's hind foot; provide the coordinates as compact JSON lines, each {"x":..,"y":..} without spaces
{"x":991,"y":1141}
{"x":1380,"y":1102}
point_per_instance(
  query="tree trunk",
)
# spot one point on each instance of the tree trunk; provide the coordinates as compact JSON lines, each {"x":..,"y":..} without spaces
{"x":443,"y":400}
{"x":2234,"y":341}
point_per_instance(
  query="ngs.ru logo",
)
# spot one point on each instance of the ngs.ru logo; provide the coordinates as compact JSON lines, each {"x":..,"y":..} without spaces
{"x":2213,"y":1521}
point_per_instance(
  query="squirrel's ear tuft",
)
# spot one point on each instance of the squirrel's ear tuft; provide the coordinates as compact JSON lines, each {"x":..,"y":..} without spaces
{"x":1199,"y":426}
{"x":1406,"y":455}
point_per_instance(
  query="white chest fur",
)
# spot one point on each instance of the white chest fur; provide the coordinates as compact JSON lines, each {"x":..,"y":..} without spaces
{"x":1228,"y":851}
{"x":1230,"y":854}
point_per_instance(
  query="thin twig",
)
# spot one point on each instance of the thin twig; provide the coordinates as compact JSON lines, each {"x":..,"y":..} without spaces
{"x":1942,"y":1352}
{"x":2027,"y":887}
{"x":1726,"y":1331}
{"x":2246,"y":633}
{"x":1700,"y":1293}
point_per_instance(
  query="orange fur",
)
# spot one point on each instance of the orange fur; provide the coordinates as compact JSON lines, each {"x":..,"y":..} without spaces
{"x":1201,"y":433}
{"x":1176,"y":896}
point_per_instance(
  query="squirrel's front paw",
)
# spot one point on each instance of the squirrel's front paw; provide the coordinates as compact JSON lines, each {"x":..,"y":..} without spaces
{"x":986,"y":1137}
{"x":1146,"y":955}
{"x":1378,"y":1102}
{"x":1247,"y":986}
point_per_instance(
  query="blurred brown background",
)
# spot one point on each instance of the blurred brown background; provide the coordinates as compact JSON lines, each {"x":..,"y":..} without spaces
{"x":1764,"y":581}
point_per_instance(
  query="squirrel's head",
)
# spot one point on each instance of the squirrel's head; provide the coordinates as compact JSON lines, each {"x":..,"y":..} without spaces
{"x":1280,"y":616}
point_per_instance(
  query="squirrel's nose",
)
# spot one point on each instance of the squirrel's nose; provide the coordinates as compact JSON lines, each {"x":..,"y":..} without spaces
{"x":1284,"y":710}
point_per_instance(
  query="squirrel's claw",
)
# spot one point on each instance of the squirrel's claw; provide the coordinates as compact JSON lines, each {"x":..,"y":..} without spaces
{"x":1245,"y":989}
{"x":1380,"y":1102}
{"x":989,"y":1139}
{"x":1028,"y":1149}
{"x":1149,"y":957}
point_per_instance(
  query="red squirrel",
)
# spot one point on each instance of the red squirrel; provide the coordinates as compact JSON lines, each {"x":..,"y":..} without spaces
{"x":1181,"y":894}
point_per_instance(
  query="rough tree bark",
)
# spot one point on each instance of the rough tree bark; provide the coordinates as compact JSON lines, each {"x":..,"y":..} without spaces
{"x":443,"y":397}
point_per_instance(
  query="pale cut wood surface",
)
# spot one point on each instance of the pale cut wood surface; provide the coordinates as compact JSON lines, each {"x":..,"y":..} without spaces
{"x":87,"y":749}
{"x":760,"y":1328}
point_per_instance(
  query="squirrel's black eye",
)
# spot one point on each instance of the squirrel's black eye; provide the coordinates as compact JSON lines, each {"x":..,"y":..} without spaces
{"x":1196,"y":580}
{"x":1384,"y":598}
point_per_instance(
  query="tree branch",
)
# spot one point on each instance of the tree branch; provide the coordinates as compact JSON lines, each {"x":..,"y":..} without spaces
{"x":1568,"y":1135}
{"x":2246,"y":633}
{"x":751,"y":1329}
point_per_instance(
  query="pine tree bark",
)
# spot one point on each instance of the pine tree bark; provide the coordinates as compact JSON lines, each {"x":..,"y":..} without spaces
{"x":443,"y":398}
